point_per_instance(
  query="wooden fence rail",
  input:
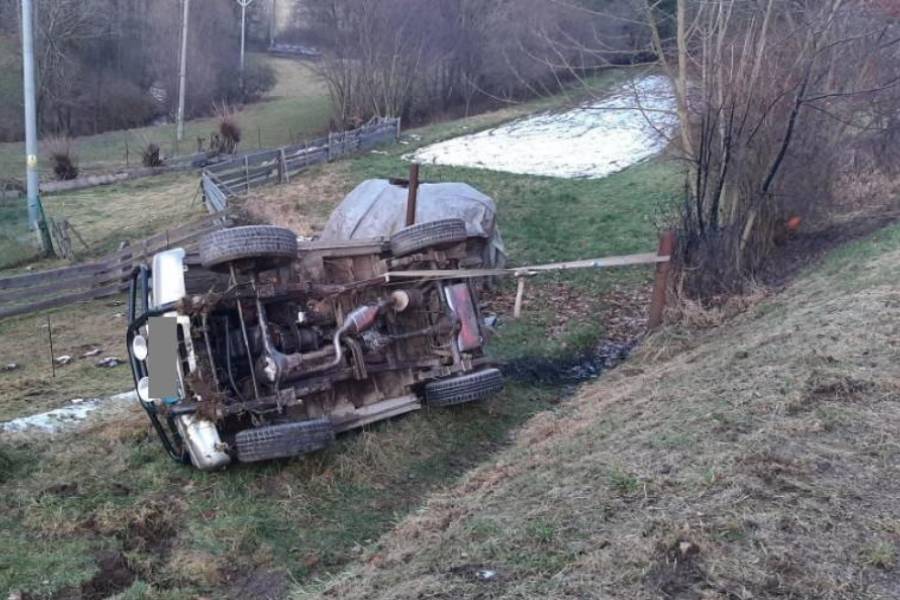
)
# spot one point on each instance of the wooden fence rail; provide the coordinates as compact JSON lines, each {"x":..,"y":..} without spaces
{"x":239,"y":176}
{"x":32,"y":292}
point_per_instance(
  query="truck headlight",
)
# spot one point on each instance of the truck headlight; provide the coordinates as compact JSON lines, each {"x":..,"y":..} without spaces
{"x":139,"y":347}
{"x":143,"y":389}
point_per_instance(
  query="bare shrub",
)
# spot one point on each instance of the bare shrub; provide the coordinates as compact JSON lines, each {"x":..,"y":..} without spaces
{"x":59,"y":152}
{"x":381,"y":58}
{"x":150,"y":155}
{"x":767,"y":132}
{"x":229,"y":134}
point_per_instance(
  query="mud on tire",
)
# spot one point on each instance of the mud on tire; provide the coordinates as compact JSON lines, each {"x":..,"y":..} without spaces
{"x":464,"y":388}
{"x":444,"y":232}
{"x":284,"y":440}
{"x":256,"y":246}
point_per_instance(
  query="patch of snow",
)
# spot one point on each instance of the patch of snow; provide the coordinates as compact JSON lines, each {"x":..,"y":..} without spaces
{"x":58,"y":419}
{"x":588,"y":142}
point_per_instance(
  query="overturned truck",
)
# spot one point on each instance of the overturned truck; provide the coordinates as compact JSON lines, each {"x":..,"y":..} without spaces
{"x":279,"y":344}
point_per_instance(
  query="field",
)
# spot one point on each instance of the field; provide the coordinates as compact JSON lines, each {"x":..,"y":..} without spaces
{"x":111,"y":514}
{"x":296,"y":108}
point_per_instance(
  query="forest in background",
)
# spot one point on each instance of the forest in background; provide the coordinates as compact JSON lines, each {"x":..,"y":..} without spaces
{"x":113,"y":64}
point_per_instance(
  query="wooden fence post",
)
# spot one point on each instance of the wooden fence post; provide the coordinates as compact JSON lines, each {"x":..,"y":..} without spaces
{"x":282,"y":167}
{"x":660,"y":286}
{"x":397,"y":130}
{"x":247,"y":173}
{"x":330,"y":142}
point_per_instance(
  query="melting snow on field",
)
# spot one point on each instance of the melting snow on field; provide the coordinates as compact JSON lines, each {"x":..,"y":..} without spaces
{"x":590,"y":142}
{"x":63,"y":418}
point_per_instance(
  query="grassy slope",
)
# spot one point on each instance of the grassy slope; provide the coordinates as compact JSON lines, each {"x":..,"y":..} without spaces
{"x":185,"y":533}
{"x":298,"y":106}
{"x":754,"y":460}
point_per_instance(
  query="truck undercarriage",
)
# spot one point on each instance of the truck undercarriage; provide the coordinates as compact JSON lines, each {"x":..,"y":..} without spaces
{"x":281,"y":345}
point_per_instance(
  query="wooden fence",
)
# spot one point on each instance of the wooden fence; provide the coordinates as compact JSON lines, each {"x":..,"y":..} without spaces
{"x":108,"y":276}
{"x":237,"y":177}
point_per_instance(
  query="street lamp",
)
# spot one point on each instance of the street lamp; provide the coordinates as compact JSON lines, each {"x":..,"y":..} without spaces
{"x":243,"y":4}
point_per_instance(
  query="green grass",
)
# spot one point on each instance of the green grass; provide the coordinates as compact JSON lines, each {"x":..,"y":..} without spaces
{"x":104,"y":216}
{"x":186,"y":533}
{"x":183,"y":532}
{"x":545,"y":219}
{"x":17,"y":244}
{"x":297,"y":108}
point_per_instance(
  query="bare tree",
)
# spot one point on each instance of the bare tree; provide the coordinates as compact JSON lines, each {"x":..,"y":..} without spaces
{"x":772,"y":97}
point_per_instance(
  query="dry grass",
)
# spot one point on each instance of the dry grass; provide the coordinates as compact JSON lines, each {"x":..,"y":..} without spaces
{"x":76,"y":330}
{"x":304,"y":204}
{"x":756,"y":459}
{"x":106,"y":215}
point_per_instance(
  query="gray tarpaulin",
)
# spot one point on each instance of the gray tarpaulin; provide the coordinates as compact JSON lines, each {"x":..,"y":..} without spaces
{"x":376,"y":208}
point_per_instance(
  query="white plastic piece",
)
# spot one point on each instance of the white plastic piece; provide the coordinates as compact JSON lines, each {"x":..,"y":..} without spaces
{"x":203,"y":442}
{"x":168,"y":277}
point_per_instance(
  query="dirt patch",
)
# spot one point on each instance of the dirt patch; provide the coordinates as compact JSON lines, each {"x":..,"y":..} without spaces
{"x":113,"y":577}
{"x":258,"y":585}
{"x":623,"y":312}
{"x":676,"y":571}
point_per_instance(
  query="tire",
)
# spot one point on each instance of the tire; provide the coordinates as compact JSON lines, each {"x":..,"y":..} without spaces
{"x":464,"y":388}
{"x":257,"y":247}
{"x":434,"y":234}
{"x":284,"y":440}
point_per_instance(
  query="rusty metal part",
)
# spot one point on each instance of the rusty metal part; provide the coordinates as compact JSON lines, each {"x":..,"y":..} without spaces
{"x":246,"y":337}
{"x":359,"y":361}
{"x":406,"y":298}
{"x":412,"y":194}
{"x":228,"y":366}
{"x":209,"y":352}
{"x":460,"y":302}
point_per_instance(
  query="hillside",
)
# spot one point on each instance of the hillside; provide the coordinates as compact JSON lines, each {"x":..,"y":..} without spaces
{"x":755,"y":459}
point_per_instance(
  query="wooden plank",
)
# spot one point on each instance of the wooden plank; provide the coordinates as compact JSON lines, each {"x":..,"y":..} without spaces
{"x":51,"y":287}
{"x":30,"y":279}
{"x":261,"y":158}
{"x":591,"y":263}
{"x":93,"y":294}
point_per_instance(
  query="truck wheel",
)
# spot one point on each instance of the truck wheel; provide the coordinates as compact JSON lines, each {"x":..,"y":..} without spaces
{"x":464,"y":388}
{"x":255,"y":247}
{"x":420,"y":236}
{"x":281,"y":441}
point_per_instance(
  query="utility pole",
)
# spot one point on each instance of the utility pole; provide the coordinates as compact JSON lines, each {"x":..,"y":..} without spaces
{"x":273,"y":22}
{"x":36,"y":219}
{"x":244,"y":4}
{"x":182,"y":75}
